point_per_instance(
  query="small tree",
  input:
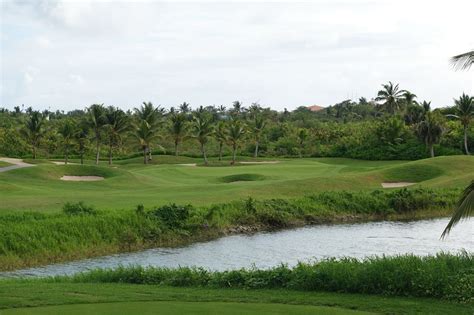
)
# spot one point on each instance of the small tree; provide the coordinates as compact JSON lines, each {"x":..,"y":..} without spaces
{"x":221,"y":136}
{"x":302,"y":137}
{"x":177,"y":129}
{"x":96,"y":115}
{"x":67,"y":131}
{"x":258,"y":125}
{"x":34,"y":131}
{"x":464,"y":109}
{"x":202,"y":128}
{"x":117,"y":125}
{"x":145,"y":134}
{"x":431,"y":130}
{"x":81,"y":136}
{"x":235,"y":133}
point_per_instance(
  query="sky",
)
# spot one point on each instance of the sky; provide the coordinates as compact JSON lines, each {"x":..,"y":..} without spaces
{"x":282,"y":54}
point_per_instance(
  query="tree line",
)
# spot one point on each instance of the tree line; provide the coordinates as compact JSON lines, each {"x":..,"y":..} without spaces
{"x":393,"y":125}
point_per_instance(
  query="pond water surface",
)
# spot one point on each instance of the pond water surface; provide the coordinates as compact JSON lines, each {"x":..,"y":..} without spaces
{"x":268,"y":249}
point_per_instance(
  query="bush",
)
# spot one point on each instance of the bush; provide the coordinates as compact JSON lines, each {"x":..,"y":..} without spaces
{"x":78,"y":208}
{"x":174,"y":216}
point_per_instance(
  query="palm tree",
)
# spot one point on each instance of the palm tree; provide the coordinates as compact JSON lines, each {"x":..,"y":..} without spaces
{"x":464,"y":109}
{"x":96,"y":114}
{"x":258,"y":125}
{"x":463,"y":61}
{"x":203,"y":129}
{"x":34,"y":131}
{"x":409,"y":98}
{"x":221,"y":136}
{"x":391,"y":97}
{"x":145,"y":134}
{"x":151,"y":115}
{"x":431,"y":130}
{"x":184,"y":108}
{"x":235,"y":134}
{"x":117,"y":125}
{"x":302,"y":136}
{"x":463,"y":210}
{"x":67,"y":131}
{"x":177,"y":129}
{"x":81,"y":137}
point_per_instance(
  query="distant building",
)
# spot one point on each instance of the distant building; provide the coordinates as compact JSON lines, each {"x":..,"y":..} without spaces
{"x":315,"y":108}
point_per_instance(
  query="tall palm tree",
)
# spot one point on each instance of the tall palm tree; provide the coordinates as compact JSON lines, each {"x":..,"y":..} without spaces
{"x":463,"y":61}
{"x":221,"y":136}
{"x":431,"y":130}
{"x":67,"y":131}
{"x":117,"y":124}
{"x":145,"y":134}
{"x":96,"y":115}
{"x":235,"y":133}
{"x":464,"y":109}
{"x":81,"y":137}
{"x":391,"y":97}
{"x":177,"y":129}
{"x":463,"y":210}
{"x":257,"y":126}
{"x":184,"y":108}
{"x":34,"y":131}
{"x":409,"y":98}
{"x":202,"y":130}
{"x":152,"y":115}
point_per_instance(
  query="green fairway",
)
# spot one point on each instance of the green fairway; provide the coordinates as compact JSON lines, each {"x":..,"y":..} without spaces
{"x":128,"y":183}
{"x":145,"y":308}
{"x":26,"y":297}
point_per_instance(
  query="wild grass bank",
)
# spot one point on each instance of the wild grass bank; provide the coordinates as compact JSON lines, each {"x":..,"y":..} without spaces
{"x":444,"y":276}
{"x":80,"y":231}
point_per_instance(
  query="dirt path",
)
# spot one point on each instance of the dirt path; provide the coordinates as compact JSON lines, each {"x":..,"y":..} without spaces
{"x":17,"y":163}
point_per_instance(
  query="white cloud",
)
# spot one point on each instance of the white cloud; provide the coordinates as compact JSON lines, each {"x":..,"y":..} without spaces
{"x":284,"y":54}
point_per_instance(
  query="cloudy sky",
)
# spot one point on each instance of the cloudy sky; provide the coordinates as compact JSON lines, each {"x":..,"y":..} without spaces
{"x":70,"y":54}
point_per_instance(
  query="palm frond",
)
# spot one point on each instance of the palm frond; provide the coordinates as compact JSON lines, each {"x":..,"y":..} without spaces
{"x":463,"y":61}
{"x":463,"y":210}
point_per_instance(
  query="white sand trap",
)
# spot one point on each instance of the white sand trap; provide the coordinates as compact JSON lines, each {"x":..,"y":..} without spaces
{"x":397,"y":184}
{"x":261,"y":162}
{"x":82,"y":178}
{"x":188,"y":164}
{"x":62,"y":163}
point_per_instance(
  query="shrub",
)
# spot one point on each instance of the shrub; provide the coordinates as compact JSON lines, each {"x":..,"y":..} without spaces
{"x":78,"y":208}
{"x":174,"y":216}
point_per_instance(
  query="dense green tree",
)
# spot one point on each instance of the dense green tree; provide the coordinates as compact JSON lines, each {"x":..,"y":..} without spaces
{"x":81,"y":136}
{"x":235,"y":133}
{"x":177,"y":129}
{"x":257,"y":126}
{"x":117,"y":123}
{"x":303,"y":135}
{"x":33,"y":130}
{"x":67,"y":131}
{"x":152,"y":115}
{"x":431,"y":130}
{"x":221,"y":136}
{"x":202,"y":130}
{"x":464,"y":112}
{"x":97,"y":122}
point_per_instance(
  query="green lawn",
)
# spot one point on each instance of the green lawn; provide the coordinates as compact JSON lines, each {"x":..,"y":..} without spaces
{"x":23,"y":297}
{"x":129,"y":182}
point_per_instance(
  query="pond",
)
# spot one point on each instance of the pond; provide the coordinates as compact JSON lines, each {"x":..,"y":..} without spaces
{"x":306,"y":244}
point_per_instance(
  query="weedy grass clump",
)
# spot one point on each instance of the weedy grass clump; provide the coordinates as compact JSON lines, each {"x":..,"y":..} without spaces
{"x":445,"y":276}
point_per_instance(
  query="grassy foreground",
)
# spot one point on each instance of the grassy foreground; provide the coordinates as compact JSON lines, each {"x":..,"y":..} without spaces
{"x":21,"y":297}
{"x":128,"y":183}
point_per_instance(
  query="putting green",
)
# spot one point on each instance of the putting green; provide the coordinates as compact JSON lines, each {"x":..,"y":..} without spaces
{"x":174,"y":307}
{"x":129,"y":183}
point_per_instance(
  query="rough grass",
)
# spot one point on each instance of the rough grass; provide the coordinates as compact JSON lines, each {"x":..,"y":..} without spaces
{"x":442,"y":276}
{"x":23,"y":294}
{"x":131,"y":183}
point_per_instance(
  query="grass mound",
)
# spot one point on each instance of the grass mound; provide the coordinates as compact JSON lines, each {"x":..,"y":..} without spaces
{"x":412,"y":173}
{"x":246,"y":177}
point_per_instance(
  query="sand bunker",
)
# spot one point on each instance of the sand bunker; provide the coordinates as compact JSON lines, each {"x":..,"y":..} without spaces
{"x":188,"y":164}
{"x":397,"y":184}
{"x":261,"y":162}
{"x":63,"y":163}
{"x":82,"y":178}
